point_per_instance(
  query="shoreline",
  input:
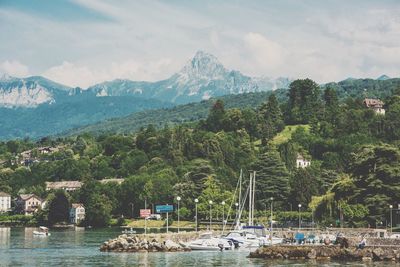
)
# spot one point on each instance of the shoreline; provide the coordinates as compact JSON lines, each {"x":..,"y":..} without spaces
{"x":328,"y":252}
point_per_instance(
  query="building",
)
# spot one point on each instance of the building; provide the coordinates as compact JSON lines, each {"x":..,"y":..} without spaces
{"x":68,"y":186}
{"x":76,"y":213}
{"x":375,"y":104}
{"x":302,"y":162}
{"x":112,"y":180}
{"x":28,"y":204}
{"x":5,"y":202}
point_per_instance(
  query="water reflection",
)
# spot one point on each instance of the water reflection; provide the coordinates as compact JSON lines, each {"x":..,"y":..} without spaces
{"x":5,"y":233}
{"x":80,"y":247}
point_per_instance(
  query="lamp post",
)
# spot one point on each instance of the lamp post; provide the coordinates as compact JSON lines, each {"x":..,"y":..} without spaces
{"x":270,"y":236}
{"x":223,"y":215}
{"x":210,"y":202}
{"x":391,"y":218}
{"x":131,"y":204}
{"x":299,"y":216}
{"x":178,"y":198}
{"x":195,"y":204}
{"x":236,"y":217}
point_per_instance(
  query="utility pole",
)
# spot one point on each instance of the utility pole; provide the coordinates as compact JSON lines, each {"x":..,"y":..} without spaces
{"x":196,"y":201}
{"x":391,"y":218}
{"x":270,"y":236}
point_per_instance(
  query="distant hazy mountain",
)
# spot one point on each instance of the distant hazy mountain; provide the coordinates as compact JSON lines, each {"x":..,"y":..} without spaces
{"x":30,"y":92}
{"x":201,"y":78}
{"x":383,"y":77}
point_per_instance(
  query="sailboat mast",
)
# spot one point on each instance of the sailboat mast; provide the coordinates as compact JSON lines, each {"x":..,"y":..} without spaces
{"x":250,"y":198}
{"x":253,"y":200}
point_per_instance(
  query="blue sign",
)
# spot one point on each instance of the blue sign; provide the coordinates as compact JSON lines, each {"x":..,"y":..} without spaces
{"x":164,"y":208}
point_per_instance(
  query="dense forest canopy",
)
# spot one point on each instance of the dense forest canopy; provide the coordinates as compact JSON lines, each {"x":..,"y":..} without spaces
{"x":354,"y":154}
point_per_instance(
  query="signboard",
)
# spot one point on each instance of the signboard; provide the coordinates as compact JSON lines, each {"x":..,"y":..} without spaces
{"x":164,"y":208}
{"x":145,"y":213}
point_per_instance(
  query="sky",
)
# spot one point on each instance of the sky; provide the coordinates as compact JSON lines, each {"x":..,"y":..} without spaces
{"x":84,"y":42}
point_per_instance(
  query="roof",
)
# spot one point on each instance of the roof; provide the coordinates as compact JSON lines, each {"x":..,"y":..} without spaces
{"x":4,"y":194}
{"x":112,"y":180}
{"x":301,"y":157}
{"x":77,"y":205}
{"x":63,"y":184}
{"x":371,"y":102}
{"x":25,"y":197}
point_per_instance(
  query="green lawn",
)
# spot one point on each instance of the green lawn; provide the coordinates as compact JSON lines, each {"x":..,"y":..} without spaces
{"x":286,"y":133}
{"x":159,"y":224}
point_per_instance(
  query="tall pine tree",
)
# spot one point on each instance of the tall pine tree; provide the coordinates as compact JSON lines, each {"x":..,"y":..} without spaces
{"x":271,"y":118}
{"x":303,"y":104}
{"x":272,"y":179}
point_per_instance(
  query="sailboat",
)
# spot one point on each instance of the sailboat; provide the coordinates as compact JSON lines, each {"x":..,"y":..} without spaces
{"x":250,"y":236}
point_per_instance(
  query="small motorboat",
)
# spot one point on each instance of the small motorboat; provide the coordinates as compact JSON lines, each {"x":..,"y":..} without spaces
{"x":251,"y":237}
{"x":43,"y":231}
{"x":207,"y":242}
{"x":129,"y":231}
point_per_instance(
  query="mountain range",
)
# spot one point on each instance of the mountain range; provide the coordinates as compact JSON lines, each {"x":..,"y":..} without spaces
{"x":35,"y":106}
{"x":201,"y":78}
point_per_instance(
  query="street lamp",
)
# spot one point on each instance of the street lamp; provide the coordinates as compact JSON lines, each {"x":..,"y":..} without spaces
{"x":299,"y":216}
{"x":391,"y":218}
{"x":196,"y":201}
{"x":131,"y":204}
{"x":178,"y":199}
{"x":210,"y":202}
{"x":223,"y":215}
{"x":272,"y":201}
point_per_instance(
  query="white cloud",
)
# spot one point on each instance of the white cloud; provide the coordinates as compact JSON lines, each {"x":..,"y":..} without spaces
{"x":150,"y":40}
{"x":14,"y":68}
{"x":265,"y":55}
{"x":75,"y":74}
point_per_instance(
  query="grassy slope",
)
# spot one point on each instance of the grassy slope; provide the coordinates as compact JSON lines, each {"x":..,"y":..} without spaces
{"x":286,"y":133}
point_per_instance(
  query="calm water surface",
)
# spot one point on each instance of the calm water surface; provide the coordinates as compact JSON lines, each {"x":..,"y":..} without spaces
{"x":18,"y":247}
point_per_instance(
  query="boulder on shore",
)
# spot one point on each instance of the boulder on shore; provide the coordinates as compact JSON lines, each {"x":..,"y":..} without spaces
{"x":383,"y":253}
{"x":134,"y":243}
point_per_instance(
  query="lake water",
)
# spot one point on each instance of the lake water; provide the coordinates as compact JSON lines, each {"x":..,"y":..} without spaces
{"x":18,"y":247}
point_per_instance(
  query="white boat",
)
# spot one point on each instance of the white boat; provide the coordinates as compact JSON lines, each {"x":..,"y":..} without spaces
{"x":129,"y":231}
{"x":43,"y":231}
{"x":207,"y":242}
{"x":251,"y":237}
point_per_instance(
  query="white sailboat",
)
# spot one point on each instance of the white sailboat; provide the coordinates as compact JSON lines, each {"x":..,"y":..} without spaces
{"x":250,"y":236}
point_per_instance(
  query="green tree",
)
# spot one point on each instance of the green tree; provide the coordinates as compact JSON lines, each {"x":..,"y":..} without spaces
{"x":98,"y":210}
{"x":304,"y":184}
{"x":303,"y":104}
{"x":214,"y":121}
{"x":272,"y":179}
{"x":58,"y":207}
{"x":271,"y":118}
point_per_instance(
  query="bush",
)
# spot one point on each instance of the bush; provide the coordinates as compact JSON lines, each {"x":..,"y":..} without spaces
{"x":170,"y":221}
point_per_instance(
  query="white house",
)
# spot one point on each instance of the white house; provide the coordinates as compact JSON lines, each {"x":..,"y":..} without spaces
{"x":5,"y":202}
{"x":375,"y":104}
{"x":29,"y":203}
{"x":68,"y":186}
{"x":76,"y":213}
{"x":302,"y":162}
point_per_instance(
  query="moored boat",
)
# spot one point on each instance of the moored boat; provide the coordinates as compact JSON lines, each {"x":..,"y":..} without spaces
{"x":43,"y":231}
{"x":206,"y":241}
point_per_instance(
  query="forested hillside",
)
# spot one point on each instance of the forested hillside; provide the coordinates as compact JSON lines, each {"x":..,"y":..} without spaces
{"x":356,"y":88}
{"x":354,"y":154}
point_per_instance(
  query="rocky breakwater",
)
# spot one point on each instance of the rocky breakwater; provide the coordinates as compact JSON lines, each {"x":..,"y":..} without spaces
{"x":331,"y":252}
{"x":140,"y":243}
